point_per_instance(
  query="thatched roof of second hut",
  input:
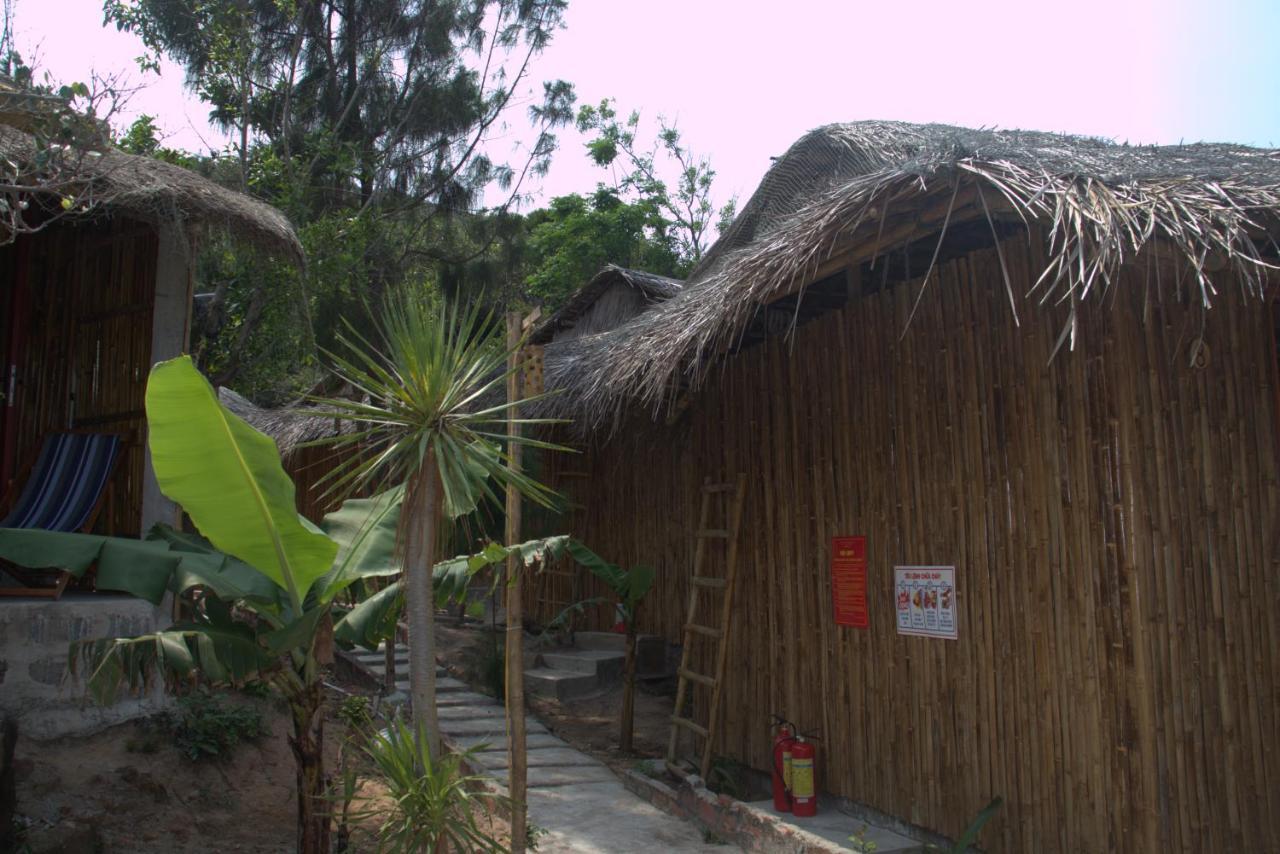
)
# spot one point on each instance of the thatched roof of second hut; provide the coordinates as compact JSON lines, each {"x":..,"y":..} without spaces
{"x":650,"y":287}
{"x":290,"y":426}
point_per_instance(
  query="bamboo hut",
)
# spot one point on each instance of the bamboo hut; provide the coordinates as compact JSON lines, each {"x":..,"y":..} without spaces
{"x":90,"y":298}
{"x":612,"y":297}
{"x":1045,"y":362}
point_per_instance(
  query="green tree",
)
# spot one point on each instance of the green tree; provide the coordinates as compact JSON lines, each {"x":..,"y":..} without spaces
{"x":431,"y":419}
{"x":368,"y":122}
{"x":688,"y":205}
{"x":575,"y":236}
{"x":143,"y":138}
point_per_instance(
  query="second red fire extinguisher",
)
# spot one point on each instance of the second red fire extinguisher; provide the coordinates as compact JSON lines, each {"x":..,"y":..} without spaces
{"x":782,"y":742}
{"x":804,"y":795}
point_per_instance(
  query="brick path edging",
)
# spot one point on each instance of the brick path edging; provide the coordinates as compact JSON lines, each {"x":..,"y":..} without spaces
{"x":732,"y":820}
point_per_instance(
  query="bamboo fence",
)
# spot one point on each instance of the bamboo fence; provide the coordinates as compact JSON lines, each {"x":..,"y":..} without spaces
{"x":1111,"y":515}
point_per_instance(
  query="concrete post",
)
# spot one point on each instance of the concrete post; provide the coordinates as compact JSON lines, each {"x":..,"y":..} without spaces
{"x":170,"y":336}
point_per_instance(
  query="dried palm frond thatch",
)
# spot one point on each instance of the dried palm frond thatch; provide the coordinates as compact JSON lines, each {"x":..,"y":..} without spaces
{"x":650,"y":286}
{"x":855,"y":191}
{"x":290,"y":426}
{"x":143,"y":188}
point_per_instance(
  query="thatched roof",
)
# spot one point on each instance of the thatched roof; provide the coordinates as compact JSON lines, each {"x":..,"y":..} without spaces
{"x":290,"y":426}
{"x":651,"y":286}
{"x":154,"y":191}
{"x":849,"y":192}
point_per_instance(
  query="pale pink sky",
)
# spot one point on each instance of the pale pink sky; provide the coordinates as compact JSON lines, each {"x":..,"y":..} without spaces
{"x":744,"y":79}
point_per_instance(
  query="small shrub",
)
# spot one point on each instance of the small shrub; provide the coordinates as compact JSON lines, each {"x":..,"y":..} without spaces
{"x":860,"y":842}
{"x":475,"y":610}
{"x":725,"y":777}
{"x":356,"y":712}
{"x":206,"y":727}
{"x":258,"y":690}
{"x":533,"y":836}
{"x":434,"y":804}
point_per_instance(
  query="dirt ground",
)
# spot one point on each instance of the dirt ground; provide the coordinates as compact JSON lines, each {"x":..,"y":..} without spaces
{"x":143,"y":796}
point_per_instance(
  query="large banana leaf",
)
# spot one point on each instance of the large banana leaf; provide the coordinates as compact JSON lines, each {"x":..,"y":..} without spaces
{"x":452,"y":577}
{"x":235,"y":581}
{"x":365,"y":531}
{"x":228,"y":478}
{"x":222,"y":651}
{"x":629,"y":586}
{"x":373,"y":620}
{"x":143,"y":568}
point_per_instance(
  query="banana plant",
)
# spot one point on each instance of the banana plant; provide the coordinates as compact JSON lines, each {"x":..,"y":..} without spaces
{"x":260,"y":580}
{"x":374,"y":620}
{"x":630,"y":587}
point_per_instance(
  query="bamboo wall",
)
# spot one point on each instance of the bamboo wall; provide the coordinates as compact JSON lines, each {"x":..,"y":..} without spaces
{"x":1112,"y":518}
{"x":87,"y":322}
{"x":308,"y":467}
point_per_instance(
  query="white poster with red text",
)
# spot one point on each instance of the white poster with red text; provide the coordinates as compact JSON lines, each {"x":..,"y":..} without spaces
{"x":926,"y":600}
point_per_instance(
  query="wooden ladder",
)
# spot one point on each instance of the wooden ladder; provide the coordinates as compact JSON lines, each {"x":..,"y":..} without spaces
{"x":700,"y":580}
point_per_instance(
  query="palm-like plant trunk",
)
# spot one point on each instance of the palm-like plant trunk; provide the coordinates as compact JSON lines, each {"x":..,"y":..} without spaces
{"x":420,"y":545}
{"x":307,"y":743}
{"x":628,"y":690}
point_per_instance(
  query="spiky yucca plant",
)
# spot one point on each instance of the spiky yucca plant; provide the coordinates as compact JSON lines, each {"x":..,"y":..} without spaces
{"x":431,"y":415}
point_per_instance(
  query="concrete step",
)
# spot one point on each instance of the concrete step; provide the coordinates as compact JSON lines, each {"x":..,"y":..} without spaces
{"x":402,"y":670}
{"x":549,"y":776}
{"x":560,"y":757}
{"x":604,"y":664}
{"x":651,"y":650}
{"x":444,"y":685}
{"x":498,"y":744}
{"x":560,"y":684}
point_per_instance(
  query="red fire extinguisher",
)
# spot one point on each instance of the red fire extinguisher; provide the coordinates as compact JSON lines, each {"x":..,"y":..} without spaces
{"x":782,"y":743}
{"x":804,"y":794}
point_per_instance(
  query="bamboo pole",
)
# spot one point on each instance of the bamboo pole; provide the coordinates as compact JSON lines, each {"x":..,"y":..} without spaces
{"x":516,"y":748}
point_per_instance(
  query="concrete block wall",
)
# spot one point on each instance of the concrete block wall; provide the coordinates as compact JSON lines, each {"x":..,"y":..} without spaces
{"x":35,"y":685}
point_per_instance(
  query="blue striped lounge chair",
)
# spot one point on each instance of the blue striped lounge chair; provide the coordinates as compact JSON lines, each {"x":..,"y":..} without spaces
{"x":65,"y":491}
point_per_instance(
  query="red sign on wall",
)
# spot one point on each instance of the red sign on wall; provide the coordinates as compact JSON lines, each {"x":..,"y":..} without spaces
{"x":849,"y":581}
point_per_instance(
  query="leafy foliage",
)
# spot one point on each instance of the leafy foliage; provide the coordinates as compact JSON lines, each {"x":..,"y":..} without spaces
{"x":688,"y":205}
{"x":629,"y":586}
{"x":228,"y":478}
{"x":370,"y":124}
{"x":575,"y":236}
{"x":435,"y":384}
{"x":434,"y":801}
{"x":205,"y":726}
{"x":247,"y":622}
{"x":374,"y":619}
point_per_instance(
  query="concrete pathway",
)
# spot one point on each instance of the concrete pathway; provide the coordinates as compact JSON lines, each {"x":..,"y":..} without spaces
{"x":836,"y":827}
{"x":574,"y":797}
